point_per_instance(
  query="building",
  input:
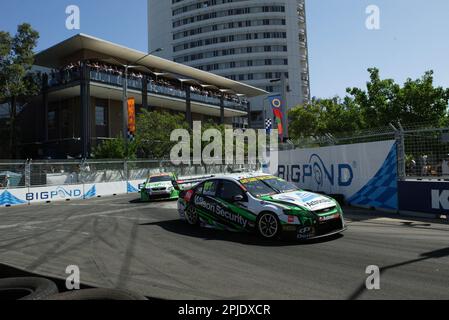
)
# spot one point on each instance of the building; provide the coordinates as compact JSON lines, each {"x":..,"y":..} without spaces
{"x":253,"y":41}
{"x":81,"y":102}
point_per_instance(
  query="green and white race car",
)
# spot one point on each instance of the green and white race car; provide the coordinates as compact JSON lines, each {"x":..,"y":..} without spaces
{"x":159,"y":186}
{"x":262,"y":203}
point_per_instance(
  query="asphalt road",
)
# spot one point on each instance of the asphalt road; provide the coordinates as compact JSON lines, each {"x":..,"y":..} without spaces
{"x":121,"y":243}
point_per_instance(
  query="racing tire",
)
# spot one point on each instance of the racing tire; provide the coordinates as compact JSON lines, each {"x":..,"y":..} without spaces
{"x":191,"y":216}
{"x":27,"y":288}
{"x":97,"y":294}
{"x":268,"y":225}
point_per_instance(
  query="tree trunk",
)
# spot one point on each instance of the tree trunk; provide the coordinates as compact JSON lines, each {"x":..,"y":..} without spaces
{"x":12,"y":128}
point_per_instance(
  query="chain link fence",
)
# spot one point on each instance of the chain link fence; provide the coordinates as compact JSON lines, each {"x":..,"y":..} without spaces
{"x":23,"y":174}
{"x":422,"y":149}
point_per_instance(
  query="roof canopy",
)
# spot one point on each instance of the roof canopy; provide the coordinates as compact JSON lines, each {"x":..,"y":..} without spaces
{"x":84,"y":47}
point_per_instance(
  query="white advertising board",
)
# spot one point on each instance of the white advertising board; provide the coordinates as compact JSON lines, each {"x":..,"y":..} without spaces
{"x":366,"y":173}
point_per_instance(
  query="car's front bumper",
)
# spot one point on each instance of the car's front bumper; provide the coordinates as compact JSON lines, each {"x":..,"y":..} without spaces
{"x":147,"y":195}
{"x":316,"y":231}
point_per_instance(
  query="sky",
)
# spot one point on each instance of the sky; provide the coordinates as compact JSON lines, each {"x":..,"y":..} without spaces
{"x":411,"y":40}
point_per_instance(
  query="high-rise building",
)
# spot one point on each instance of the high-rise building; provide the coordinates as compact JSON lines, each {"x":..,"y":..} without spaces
{"x":260,"y":42}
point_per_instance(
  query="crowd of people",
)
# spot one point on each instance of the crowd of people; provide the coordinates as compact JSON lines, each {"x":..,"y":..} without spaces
{"x":64,"y":75}
{"x":69,"y":72}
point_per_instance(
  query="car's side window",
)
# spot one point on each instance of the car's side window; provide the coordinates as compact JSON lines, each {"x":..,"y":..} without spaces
{"x":210,"y":188}
{"x":228,"y":190}
{"x":199,"y":189}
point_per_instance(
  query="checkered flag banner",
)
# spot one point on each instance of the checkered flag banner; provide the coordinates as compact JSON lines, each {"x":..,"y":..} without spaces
{"x":130,"y":136}
{"x":268,"y":125}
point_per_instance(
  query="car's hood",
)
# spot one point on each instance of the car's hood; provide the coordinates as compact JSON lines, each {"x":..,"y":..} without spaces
{"x":310,"y":201}
{"x":163,"y":184}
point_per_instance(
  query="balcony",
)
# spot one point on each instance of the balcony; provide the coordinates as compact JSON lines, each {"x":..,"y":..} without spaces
{"x":159,"y":88}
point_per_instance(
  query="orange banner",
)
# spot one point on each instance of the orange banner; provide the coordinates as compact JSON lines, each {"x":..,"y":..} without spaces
{"x":131,"y":116}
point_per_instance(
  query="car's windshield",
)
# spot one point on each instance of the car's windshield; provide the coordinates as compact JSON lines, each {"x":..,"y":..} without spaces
{"x":281,"y":185}
{"x":267,"y":185}
{"x":159,"y":179}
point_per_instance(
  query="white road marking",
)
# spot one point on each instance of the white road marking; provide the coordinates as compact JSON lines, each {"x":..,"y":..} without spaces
{"x":74,"y":217}
{"x":57,"y":230}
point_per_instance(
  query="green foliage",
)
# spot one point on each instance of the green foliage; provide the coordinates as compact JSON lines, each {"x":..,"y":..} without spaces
{"x":324,"y":116}
{"x":381,"y":103}
{"x":16,"y":81}
{"x":153,"y":133}
{"x":115,"y":149}
{"x":16,"y":60}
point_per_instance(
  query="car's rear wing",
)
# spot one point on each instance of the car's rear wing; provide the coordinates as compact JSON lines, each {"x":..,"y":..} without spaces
{"x":185,"y":183}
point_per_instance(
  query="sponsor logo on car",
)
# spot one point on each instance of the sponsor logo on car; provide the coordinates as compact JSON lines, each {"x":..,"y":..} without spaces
{"x":220,"y":211}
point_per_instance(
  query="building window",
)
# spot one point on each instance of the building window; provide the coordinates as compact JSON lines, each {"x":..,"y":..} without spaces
{"x":100,"y":116}
{"x":52,"y":120}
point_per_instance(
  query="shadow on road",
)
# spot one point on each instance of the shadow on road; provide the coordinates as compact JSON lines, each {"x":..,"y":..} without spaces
{"x":139,"y":201}
{"x":441,"y":253}
{"x":180,"y":227}
{"x":363,"y":215}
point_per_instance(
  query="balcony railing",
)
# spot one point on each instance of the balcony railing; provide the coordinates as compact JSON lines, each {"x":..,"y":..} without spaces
{"x":66,"y":77}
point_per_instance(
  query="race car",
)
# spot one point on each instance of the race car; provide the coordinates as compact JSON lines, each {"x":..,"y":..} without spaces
{"x":260,"y":203}
{"x":159,"y":186}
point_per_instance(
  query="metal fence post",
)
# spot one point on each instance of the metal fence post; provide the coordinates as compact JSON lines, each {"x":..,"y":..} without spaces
{"x":400,"y":145}
{"x":28,"y":173}
{"x":125,"y":170}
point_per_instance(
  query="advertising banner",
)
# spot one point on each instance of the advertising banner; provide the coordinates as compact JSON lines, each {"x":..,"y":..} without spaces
{"x":56,"y":193}
{"x":13,"y":197}
{"x":366,"y":173}
{"x":135,"y":186}
{"x":104,"y":189}
{"x":424,"y":197}
{"x":276,"y":105}
{"x":131,"y":118}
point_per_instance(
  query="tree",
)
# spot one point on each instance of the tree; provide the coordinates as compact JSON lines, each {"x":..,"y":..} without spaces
{"x":416,"y":101}
{"x":116,"y":149}
{"x":379,"y":104}
{"x":324,"y":116}
{"x":153,"y":133}
{"x":16,"y":60}
{"x":422,"y":102}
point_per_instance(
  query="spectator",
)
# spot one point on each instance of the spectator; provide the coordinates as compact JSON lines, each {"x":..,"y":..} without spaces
{"x":445,"y":166}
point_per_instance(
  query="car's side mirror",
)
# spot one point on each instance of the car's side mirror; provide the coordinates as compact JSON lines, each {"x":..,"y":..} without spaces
{"x":238,"y":198}
{"x":175,"y":185}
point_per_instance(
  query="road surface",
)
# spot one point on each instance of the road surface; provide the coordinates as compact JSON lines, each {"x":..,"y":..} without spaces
{"x":118,"y":242}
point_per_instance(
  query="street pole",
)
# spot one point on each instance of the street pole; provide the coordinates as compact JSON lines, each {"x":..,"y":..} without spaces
{"x":125,"y":95}
{"x":264,"y":113}
{"x":125,"y":109}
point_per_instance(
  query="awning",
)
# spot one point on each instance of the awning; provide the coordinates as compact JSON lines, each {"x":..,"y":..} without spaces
{"x":87,"y":47}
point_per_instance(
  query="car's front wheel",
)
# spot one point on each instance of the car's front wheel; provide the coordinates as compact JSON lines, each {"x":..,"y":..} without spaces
{"x":268,"y":225}
{"x":191,"y":215}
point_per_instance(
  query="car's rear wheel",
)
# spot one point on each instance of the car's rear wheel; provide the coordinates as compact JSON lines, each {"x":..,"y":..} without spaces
{"x":268,"y":225}
{"x":191,"y":215}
